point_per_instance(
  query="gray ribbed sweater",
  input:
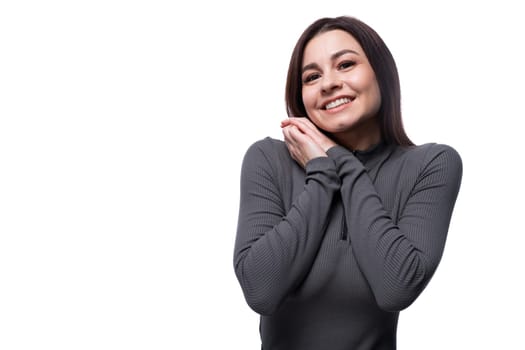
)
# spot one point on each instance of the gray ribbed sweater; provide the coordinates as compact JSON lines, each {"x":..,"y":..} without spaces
{"x":330,"y":254}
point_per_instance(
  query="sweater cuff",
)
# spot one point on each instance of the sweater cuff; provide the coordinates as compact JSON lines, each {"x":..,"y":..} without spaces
{"x":344,"y":160}
{"x":319,"y":164}
{"x":338,"y":151}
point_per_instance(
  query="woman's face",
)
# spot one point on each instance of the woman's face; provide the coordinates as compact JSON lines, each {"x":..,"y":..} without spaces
{"x":340,"y":91}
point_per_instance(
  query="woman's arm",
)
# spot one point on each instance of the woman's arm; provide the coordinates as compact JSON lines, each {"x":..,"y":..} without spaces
{"x":274,"y":250}
{"x":399,"y":260}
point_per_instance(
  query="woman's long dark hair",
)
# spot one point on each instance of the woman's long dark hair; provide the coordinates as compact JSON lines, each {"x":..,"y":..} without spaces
{"x":380,"y":59}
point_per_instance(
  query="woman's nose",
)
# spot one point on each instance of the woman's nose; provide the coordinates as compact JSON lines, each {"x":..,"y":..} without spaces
{"x":330,"y":83}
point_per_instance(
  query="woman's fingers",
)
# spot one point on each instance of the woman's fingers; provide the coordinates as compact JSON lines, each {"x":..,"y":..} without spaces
{"x":301,"y":146}
{"x":308,"y":128}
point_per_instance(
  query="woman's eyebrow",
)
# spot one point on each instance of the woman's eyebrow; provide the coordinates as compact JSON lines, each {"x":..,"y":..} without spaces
{"x":343,"y":52}
{"x":311,"y":66}
{"x":334,"y":57}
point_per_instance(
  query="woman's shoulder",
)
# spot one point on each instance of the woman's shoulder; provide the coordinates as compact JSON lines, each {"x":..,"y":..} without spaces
{"x":267,"y":146}
{"x":268,"y":153}
{"x":267,"y":142}
{"x":427,"y":152}
{"x":432,"y":156}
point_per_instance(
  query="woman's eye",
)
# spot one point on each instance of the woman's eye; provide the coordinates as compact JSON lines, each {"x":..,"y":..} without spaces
{"x":311,"y":77}
{"x":346,"y":64}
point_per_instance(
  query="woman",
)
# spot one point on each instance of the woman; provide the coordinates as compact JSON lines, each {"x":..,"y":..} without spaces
{"x":344,"y":223}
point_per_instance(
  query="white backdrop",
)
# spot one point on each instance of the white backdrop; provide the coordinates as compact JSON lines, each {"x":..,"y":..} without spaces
{"x":122,"y":129}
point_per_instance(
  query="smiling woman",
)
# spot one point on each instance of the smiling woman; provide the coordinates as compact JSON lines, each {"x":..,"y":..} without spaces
{"x":344,"y":223}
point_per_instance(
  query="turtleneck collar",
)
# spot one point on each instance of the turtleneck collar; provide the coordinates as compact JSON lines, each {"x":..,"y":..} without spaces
{"x":373,"y":154}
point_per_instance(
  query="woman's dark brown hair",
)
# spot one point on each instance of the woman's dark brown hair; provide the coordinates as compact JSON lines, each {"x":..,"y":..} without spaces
{"x":380,"y":59}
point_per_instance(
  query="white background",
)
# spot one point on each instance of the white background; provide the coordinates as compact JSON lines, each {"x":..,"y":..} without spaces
{"x":122,"y":129}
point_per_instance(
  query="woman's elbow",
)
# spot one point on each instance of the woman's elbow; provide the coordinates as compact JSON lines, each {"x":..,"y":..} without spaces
{"x":260,"y":300}
{"x":400,"y":294}
{"x":261,"y":306}
{"x":257,"y":295}
{"x":396,"y":302}
{"x":396,"y":294}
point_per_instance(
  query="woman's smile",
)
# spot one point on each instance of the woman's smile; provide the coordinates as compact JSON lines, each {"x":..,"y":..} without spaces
{"x":337,"y":104}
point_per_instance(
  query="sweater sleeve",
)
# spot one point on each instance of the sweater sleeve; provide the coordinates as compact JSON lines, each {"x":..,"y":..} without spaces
{"x":398,"y":259}
{"x":274,"y":249}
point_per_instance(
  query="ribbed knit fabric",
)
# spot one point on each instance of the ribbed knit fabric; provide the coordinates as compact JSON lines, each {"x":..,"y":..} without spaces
{"x":330,"y":254}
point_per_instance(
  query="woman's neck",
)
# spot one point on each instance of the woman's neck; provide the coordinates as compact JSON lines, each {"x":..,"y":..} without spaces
{"x":360,"y":138}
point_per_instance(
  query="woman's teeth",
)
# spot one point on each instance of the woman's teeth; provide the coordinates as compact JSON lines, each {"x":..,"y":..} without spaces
{"x":337,"y":103}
